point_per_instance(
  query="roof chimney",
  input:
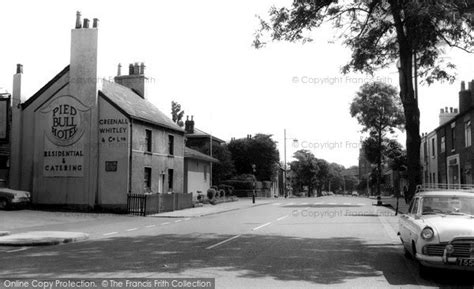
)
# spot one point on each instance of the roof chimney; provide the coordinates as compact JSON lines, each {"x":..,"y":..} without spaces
{"x":189,"y":125}
{"x":463,"y":86}
{"x":19,"y":68}
{"x":135,"y":80}
{"x":78,"y":20}
{"x":86,"y":23}
{"x":95,"y":23}
{"x":119,"y":69}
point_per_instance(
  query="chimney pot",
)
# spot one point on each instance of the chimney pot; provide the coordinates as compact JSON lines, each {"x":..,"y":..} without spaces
{"x":192,"y":117}
{"x":463,"y":86}
{"x":95,"y":23}
{"x":451,"y":109}
{"x":455,"y":110}
{"x":130,"y":69}
{"x":136,"y":68}
{"x":119,"y":69}
{"x":86,"y":23}
{"x":142,"y":68}
{"x":19,"y":68}
{"x":441,"y":110}
{"x":78,"y":20}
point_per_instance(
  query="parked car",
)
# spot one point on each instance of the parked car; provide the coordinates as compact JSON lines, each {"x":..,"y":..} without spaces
{"x":13,"y":198}
{"x":355,"y":194}
{"x":438,"y":230}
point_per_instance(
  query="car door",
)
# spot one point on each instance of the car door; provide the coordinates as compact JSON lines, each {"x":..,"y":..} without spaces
{"x":403,"y":223}
{"x":407,"y":222}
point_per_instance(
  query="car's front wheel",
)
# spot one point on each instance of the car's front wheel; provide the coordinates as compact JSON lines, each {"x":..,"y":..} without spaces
{"x":4,"y":204}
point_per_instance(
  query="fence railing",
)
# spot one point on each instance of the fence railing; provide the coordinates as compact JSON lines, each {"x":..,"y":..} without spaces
{"x":149,"y":204}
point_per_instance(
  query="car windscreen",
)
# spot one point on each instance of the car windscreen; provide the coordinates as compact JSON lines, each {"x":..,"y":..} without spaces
{"x":451,"y":205}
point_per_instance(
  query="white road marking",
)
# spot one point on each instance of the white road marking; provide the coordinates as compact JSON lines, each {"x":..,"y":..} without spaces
{"x":111,"y":233}
{"x":177,"y":221}
{"x":332,"y":203}
{"x":259,"y":227}
{"x":284,"y":217}
{"x":360,"y":204}
{"x":317,"y":203}
{"x":304,"y":203}
{"x":166,"y":223}
{"x":276,"y":204}
{"x":132,"y":229}
{"x":289,"y":204}
{"x":346,"y":203}
{"x":17,"y":250}
{"x":150,"y":226}
{"x":187,"y":219}
{"x":225,"y":241}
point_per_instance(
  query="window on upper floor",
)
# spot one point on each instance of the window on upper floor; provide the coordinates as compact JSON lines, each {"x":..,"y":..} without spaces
{"x":467,"y":133}
{"x":148,"y":142}
{"x":443,"y":144}
{"x":433,"y":147}
{"x":453,"y":136}
{"x":170,"y":144}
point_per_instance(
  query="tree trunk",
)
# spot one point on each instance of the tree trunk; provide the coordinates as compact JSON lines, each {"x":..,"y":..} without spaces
{"x":409,"y":101}
{"x":379,"y":163}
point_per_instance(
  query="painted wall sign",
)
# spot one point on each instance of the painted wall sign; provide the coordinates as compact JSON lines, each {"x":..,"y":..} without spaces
{"x":113,"y":131}
{"x":63,"y":156}
{"x":4,"y":115}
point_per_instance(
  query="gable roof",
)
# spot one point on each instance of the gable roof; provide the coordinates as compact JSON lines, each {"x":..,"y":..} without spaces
{"x":136,"y":107}
{"x":194,"y":154}
{"x":201,"y":134}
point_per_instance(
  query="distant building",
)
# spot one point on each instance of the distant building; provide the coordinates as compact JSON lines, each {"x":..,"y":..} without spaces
{"x":84,"y":142}
{"x":197,"y":171}
{"x":5,"y":123}
{"x":196,"y":138}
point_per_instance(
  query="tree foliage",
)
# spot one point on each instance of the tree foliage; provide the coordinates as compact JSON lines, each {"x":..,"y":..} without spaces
{"x":177,"y":114}
{"x":381,"y":32}
{"x":224,"y":169}
{"x":260,"y":150}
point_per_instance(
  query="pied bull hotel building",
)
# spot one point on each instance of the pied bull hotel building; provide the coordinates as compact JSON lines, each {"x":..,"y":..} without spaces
{"x":84,"y":142}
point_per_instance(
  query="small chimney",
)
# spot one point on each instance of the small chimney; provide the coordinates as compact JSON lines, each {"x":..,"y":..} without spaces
{"x":451,"y":109}
{"x":86,"y":23}
{"x":189,"y":125}
{"x":19,"y":68}
{"x":119,"y":69}
{"x":456,"y":110}
{"x":95,"y":23}
{"x":463,"y":86}
{"x":441,"y":110}
{"x":135,"y":80}
{"x":136,"y":69}
{"x":78,"y":20}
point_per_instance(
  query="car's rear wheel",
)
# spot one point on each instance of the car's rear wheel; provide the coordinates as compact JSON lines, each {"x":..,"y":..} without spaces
{"x":4,"y":204}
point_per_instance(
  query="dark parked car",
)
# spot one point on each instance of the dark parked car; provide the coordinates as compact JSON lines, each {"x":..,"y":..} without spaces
{"x":12,"y":198}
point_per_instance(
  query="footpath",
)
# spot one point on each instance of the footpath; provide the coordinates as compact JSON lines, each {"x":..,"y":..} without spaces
{"x":28,"y":220}
{"x":208,"y":209}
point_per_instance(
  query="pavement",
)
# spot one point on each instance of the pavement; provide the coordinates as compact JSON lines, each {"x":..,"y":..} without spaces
{"x":33,"y":228}
{"x":208,"y":209}
{"x":392,"y":203}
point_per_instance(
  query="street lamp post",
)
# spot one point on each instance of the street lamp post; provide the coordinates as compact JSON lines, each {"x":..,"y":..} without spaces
{"x":284,"y":166}
{"x":254,"y":167}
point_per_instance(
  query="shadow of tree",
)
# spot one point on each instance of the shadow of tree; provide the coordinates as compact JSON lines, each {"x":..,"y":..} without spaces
{"x":284,"y":258}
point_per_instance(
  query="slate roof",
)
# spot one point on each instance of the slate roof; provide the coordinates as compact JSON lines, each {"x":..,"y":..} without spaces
{"x":201,"y":134}
{"x":193,"y":154}
{"x":136,"y":107}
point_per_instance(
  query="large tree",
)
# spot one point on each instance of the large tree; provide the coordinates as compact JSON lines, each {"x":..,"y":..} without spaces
{"x":305,"y":170}
{"x":260,"y":150}
{"x":380,"y":33}
{"x":379,"y":111}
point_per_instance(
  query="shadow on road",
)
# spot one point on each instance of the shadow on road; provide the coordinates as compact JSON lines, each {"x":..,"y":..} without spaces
{"x":318,"y":261}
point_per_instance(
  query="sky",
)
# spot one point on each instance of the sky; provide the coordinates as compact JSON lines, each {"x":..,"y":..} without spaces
{"x":199,"y":54}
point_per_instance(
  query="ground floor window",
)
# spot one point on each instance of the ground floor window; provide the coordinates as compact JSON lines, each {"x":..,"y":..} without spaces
{"x":170,"y":179}
{"x":147,"y":178}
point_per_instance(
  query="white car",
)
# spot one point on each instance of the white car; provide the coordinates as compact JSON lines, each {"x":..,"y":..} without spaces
{"x":438,"y":230}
